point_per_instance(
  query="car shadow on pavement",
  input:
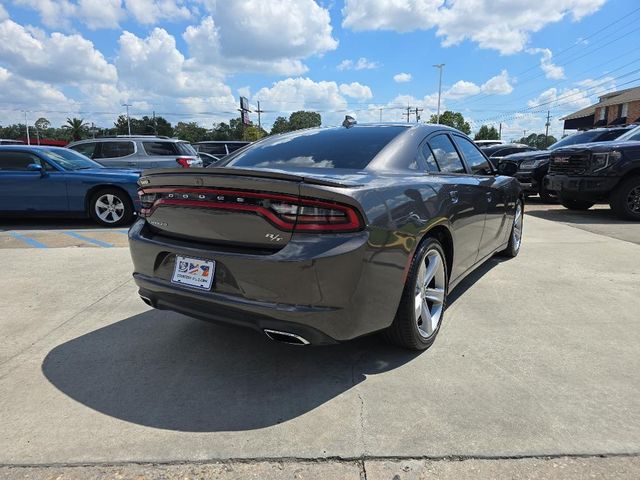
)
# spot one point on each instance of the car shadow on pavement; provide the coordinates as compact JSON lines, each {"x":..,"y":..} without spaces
{"x":164,"y":370}
{"x":593,"y":216}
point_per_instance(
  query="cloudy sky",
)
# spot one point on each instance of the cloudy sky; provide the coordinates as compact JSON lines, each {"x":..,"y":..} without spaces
{"x":506,"y":61}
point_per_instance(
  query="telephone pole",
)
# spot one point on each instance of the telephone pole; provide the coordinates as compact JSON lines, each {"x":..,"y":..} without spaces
{"x":439,"y":66}
{"x":128,"y":119}
{"x":500,"y":132}
{"x":258,"y":111}
{"x":408,"y":114}
{"x":546,"y":132}
{"x":417,"y":112}
{"x":27,"y":127}
{"x":380,"y":115}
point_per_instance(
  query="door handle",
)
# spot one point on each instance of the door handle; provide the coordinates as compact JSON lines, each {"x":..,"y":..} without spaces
{"x":489,"y":197}
{"x":454,"y":196}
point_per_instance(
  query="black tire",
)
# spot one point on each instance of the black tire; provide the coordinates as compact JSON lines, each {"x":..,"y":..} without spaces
{"x":513,"y":247}
{"x":579,"y":205}
{"x":404,"y":331}
{"x":122,"y":213}
{"x":625,"y":199}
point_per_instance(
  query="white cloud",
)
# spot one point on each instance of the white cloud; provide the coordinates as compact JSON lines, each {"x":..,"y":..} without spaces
{"x":3,"y":13}
{"x":152,"y":11}
{"x":462,"y":89}
{"x":498,"y":85}
{"x":20,"y":91}
{"x":550,"y":70}
{"x":361,"y":64}
{"x":356,"y":90}
{"x":55,"y":58}
{"x":94,"y":13}
{"x":253,"y":35}
{"x":402,"y":77}
{"x":503,"y":25}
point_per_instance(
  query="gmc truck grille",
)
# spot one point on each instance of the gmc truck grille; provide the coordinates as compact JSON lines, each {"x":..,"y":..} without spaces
{"x":569,"y":164}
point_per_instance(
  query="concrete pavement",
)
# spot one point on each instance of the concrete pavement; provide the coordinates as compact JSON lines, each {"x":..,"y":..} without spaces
{"x":538,"y":356}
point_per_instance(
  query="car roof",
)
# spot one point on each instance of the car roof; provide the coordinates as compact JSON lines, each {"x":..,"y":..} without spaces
{"x":220,"y":141}
{"x":121,"y":138}
{"x":24,"y":146}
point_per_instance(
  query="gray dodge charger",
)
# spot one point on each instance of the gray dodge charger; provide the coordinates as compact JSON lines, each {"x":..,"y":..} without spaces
{"x":323,"y":235}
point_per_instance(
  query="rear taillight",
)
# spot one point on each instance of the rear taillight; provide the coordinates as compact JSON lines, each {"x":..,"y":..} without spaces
{"x":185,"y":162}
{"x":284,"y":211}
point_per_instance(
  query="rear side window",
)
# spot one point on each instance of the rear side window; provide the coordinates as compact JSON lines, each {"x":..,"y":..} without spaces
{"x":475,"y":159}
{"x":235,"y":146}
{"x":217,"y":149}
{"x":116,"y":149}
{"x":185,"y":148}
{"x":607,"y":136}
{"x":86,"y":149}
{"x":446,"y":154}
{"x":351,"y":148}
{"x":429,"y":158}
{"x":17,"y":161}
{"x":160,"y":148}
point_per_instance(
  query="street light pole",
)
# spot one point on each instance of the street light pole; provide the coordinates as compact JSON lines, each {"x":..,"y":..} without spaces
{"x":27,"y":127}
{"x":439,"y":66}
{"x":128,"y":119}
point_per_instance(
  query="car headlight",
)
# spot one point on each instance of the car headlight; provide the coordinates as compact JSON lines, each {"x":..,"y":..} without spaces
{"x":530,"y":164}
{"x":600,"y":161}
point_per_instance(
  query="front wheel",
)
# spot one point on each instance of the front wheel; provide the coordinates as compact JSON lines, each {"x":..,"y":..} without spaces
{"x":579,"y":205}
{"x":424,"y":299}
{"x":625,"y":199}
{"x":111,"y":208}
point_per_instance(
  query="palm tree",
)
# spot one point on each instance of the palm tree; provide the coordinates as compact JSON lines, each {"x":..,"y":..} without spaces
{"x":76,"y":127}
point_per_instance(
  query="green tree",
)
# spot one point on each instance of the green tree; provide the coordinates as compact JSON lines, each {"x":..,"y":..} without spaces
{"x":452,"y":119}
{"x":42,"y":124}
{"x":538,"y":140}
{"x":253,"y":133}
{"x":281,"y":125}
{"x":487,"y":133}
{"x":304,"y":119}
{"x":76,"y":128}
{"x":190,"y":131}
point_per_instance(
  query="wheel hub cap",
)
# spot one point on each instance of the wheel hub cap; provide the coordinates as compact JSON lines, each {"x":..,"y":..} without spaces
{"x":430,"y":293}
{"x":109,"y":208}
{"x":633,"y":200}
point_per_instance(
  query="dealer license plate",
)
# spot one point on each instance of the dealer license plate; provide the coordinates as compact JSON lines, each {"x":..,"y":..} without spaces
{"x":194,"y":272}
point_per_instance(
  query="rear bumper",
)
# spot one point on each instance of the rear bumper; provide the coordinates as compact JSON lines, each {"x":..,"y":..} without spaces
{"x":322,"y":289}
{"x":529,"y":184}
{"x":579,"y":187}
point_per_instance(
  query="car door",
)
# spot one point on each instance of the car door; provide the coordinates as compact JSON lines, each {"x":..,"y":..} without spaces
{"x":493,"y":192}
{"x":117,"y":154}
{"x":465,"y":201}
{"x":25,"y":190}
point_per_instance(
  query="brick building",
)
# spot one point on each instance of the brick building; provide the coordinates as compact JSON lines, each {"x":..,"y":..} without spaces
{"x":615,"y":108}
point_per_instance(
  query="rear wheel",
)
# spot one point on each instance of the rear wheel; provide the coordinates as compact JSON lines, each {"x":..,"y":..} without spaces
{"x":625,"y":199}
{"x":111,"y":208}
{"x":423,"y":300}
{"x":515,"y":239}
{"x":572,"y":204}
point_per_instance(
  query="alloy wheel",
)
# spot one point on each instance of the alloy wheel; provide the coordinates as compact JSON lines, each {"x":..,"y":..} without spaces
{"x":109,"y":208}
{"x":633,"y":200}
{"x":517,"y":228}
{"x":430,"y":293}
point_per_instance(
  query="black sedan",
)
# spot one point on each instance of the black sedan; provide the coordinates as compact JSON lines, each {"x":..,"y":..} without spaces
{"x":495,"y":153}
{"x":323,"y":235}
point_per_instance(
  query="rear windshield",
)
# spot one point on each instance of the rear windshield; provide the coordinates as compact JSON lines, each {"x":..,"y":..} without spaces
{"x":588,"y":136}
{"x":170,"y":149}
{"x":339,"y":147}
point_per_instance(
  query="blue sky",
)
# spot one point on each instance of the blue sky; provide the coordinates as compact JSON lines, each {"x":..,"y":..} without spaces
{"x":505,"y":61}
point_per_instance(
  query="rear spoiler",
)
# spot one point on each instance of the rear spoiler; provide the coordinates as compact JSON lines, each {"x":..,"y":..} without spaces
{"x":245,"y":172}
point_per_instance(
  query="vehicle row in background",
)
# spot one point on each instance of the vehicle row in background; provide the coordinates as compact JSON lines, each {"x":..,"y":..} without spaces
{"x":55,"y":181}
{"x":138,"y":152}
{"x":586,"y":174}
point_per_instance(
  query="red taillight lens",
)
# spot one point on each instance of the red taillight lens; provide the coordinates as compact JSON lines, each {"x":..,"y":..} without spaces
{"x":184,"y":162}
{"x":286,"y":212}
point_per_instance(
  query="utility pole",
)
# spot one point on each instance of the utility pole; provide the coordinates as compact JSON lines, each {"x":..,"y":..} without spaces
{"x":408,"y":114}
{"x":380,"y":115}
{"x":500,"y":132}
{"x":546,"y":132}
{"x":128,"y":119}
{"x":155,"y":128}
{"x":417,"y":111}
{"x":258,"y":111}
{"x":524,"y":134}
{"x":27,"y":127}
{"x":439,"y":66}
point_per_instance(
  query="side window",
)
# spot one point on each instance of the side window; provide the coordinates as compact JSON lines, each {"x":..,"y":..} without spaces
{"x":17,"y":161}
{"x":446,"y":154}
{"x":213,"y":148}
{"x":160,"y":148}
{"x":475,"y":159}
{"x":116,"y":149}
{"x":86,"y":149}
{"x":429,"y":158}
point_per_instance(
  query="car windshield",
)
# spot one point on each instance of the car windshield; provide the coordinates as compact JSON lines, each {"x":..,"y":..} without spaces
{"x":69,"y":159}
{"x":630,"y":136}
{"x":351,"y":148}
{"x":586,"y":137}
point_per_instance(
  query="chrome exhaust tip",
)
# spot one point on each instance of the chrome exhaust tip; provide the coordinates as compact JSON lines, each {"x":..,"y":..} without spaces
{"x":146,"y":300}
{"x":286,"y":337}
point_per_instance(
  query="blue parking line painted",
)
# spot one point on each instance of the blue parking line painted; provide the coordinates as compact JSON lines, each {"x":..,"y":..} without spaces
{"x":100,"y":243}
{"x":28,"y":240}
{"x":124,"y":232}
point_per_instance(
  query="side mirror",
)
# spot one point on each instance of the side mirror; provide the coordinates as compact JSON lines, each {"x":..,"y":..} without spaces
{"x":35,"y":167}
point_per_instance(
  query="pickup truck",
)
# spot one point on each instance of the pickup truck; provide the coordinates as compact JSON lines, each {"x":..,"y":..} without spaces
{"x":585,"y":174}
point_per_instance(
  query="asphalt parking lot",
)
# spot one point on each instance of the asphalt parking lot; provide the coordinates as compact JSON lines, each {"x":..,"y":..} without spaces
{"x":535,"y":372}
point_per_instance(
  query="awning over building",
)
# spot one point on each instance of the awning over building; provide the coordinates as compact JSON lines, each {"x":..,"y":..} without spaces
{"x":580,"y":123}
{"x":618,"y":121}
